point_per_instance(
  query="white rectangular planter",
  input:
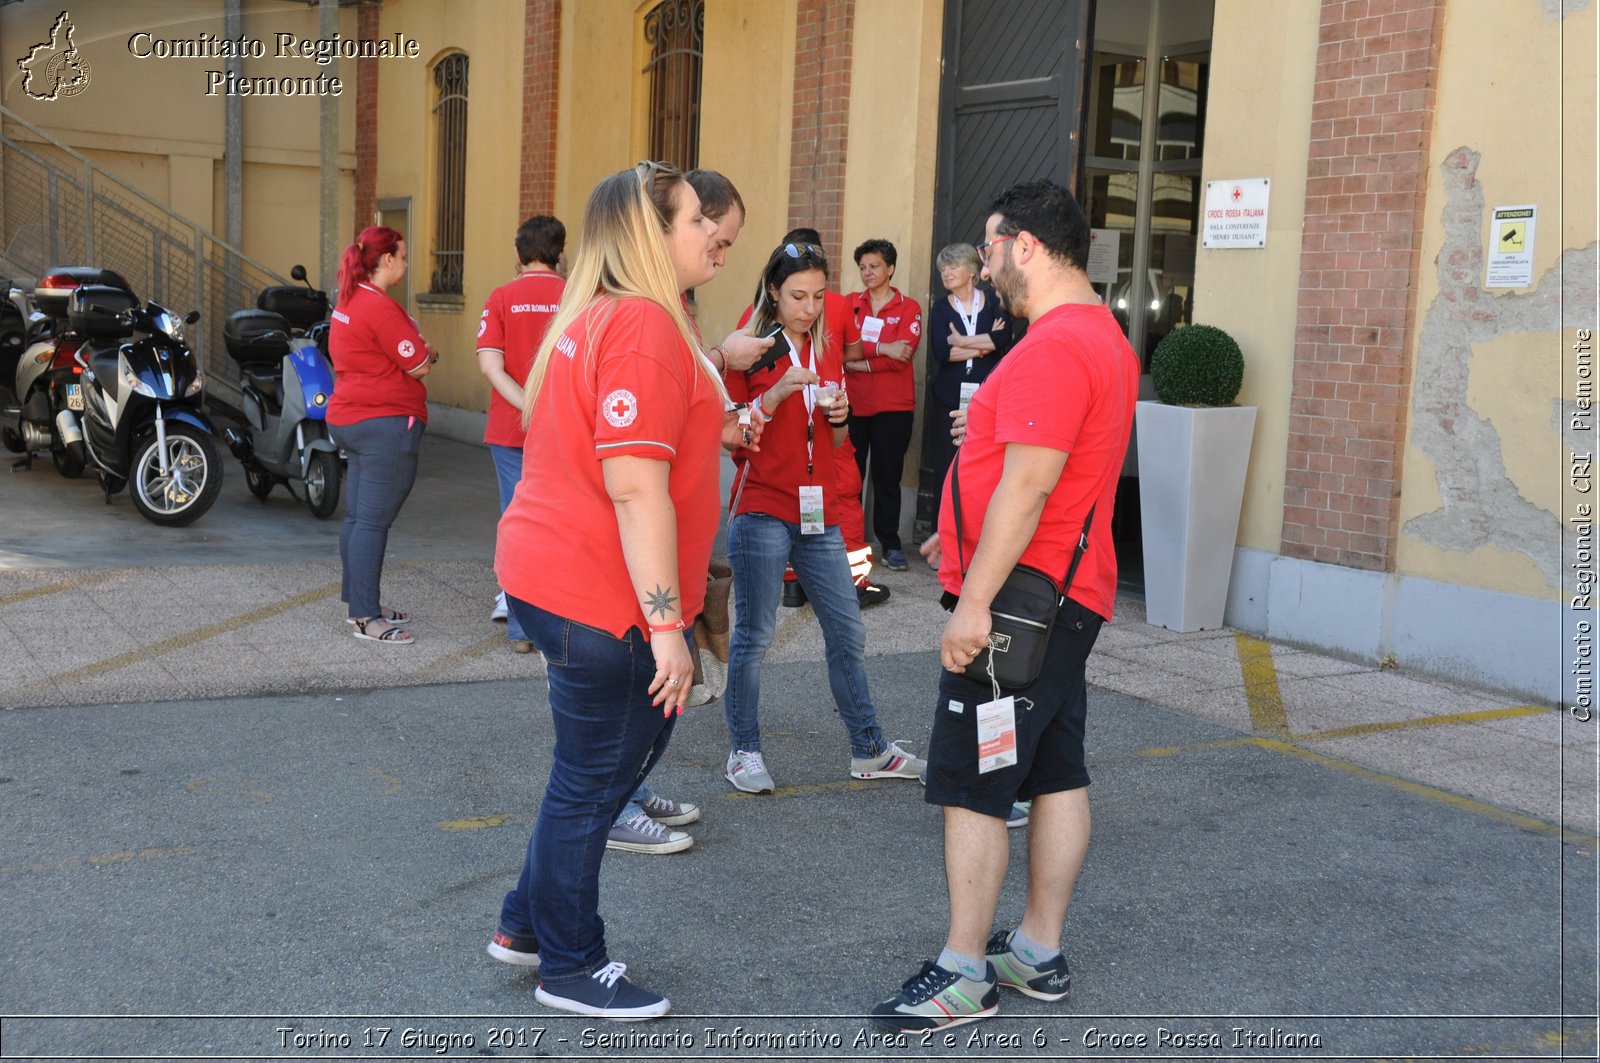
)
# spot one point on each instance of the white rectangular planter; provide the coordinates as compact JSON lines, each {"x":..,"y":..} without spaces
{"x":1192,"y":465}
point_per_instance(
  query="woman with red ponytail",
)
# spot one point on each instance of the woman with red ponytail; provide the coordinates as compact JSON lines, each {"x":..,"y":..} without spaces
{"x":376,"y":416}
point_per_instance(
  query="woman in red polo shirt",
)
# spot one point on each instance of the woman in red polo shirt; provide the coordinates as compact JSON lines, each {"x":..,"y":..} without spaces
{"x":625,"y":418}
{"x":376,"y":416}
{"x":885,"y":328}
{"x":783,"y":513}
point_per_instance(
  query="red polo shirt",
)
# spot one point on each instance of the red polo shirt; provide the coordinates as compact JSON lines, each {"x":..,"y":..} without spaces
{"x":620,"y":382}
{"x":887,"y":384}
{"x":1070,"y":385}
{"x":771,"y":479}
{"x":513,"y":322}
{"x":374,"y":344}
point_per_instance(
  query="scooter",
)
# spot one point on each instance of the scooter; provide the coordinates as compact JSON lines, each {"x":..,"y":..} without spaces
{"x":14,"y":316}
{"x":281,"y":349}
{"x":45,"y":373}
{"x":143,"y":426}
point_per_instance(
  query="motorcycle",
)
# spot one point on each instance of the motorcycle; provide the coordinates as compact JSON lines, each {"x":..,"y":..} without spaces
{"x":281,"y":350}
{"x":14,"y":319}
{"x":45,"y":372}
{"x":143,"y":426}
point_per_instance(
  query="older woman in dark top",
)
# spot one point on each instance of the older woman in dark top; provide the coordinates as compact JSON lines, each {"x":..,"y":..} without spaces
{"x":967,"y":335}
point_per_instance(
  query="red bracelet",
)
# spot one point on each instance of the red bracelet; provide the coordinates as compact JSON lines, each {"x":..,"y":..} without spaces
{"x":676,"y":625}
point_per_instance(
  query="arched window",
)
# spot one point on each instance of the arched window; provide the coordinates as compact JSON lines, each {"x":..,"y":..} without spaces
{"x":674,"y":30}
{"x":450,"y":189}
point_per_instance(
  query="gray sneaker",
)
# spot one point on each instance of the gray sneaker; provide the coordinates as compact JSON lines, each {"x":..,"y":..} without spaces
{"x":1051,"y":981}
{"x":670,"y":813}
{"x":892,"y":763}
{"x":748,"y":772}
{"x":641,"y":834}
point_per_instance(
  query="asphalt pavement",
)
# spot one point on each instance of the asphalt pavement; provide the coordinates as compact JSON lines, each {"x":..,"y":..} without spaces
{"x":232,"y":831}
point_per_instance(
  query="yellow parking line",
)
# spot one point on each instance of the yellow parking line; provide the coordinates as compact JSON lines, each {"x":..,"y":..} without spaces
{"x":480,"y":822}
{"x":1267,"y":715}
{"x":37,"y":592}
{"x":482,"y":648}
{"x":187,"y":639}
{"x":1446,"y":720}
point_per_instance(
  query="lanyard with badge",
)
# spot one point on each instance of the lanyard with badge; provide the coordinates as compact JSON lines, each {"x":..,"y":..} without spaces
{"x":811,"y":515}
{"x":969,"y":322}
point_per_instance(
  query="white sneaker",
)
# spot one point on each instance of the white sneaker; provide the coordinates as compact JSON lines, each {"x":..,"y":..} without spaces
{"x":748,"y":772}
{"x":498,"y":613}
{"x":895,"y":762}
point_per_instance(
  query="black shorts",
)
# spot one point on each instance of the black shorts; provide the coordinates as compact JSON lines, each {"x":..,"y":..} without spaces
{"x":1050,"y":724}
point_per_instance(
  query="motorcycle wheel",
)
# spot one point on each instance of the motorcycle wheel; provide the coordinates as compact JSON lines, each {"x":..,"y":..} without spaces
{"x":260,"y":483}
{"x":323,"y":479}
{"x":66,"y":464}
{"x":191,"y":484}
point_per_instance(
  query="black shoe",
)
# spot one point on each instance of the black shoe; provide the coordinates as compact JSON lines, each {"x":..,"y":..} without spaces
{"x":871,"y":593}
{"x":523,"y":952}
{"x":895,"y":560}
{"x":794,"y":595}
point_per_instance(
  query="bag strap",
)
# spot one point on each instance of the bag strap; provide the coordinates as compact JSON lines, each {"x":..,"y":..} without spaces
{"x":961,"y":558}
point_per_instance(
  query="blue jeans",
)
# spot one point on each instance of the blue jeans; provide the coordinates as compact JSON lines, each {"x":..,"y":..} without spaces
{"x":758,"y":548}
{"x":508,"y":470}
{"x":383,"y":466}
{"x":608,"y":736}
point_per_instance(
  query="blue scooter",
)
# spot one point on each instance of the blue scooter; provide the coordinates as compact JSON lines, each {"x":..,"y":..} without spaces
{"x":287,"y":379}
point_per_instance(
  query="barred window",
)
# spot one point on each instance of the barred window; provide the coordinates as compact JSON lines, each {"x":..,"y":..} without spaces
{"x":450,"y":192}
{"x":674,"y":30}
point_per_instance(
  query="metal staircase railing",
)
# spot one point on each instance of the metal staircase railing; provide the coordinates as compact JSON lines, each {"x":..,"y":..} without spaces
{"x":57,"y":208}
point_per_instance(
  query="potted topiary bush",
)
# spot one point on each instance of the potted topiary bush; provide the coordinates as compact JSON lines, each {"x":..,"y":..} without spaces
{"x":1194,"y":448}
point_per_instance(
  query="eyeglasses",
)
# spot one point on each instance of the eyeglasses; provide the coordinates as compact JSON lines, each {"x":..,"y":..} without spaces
{"x":802,"y":250}
{"x":983,"y":248}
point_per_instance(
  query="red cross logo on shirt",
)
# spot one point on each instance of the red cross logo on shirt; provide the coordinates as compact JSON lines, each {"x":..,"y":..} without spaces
{"x":620,"y":408}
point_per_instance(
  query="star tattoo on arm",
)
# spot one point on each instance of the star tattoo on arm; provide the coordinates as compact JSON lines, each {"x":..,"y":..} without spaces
{"x":659,"y":601}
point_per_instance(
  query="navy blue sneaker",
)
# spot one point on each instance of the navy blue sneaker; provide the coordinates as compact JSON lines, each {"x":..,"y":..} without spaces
{"x":938,"y":997}
{"x":1049,"y":981}
{"x":605,"y":994}
{"x":508,"y":948}
{"x":896,"y":560}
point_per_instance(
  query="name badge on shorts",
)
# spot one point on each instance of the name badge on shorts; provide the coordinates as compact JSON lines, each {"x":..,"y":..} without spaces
{"x":811,"y":510}
{"x":997,"y":734}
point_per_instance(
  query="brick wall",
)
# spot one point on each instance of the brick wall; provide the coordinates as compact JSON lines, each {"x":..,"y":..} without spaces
{"x":821,"y":127}
{"x":1371,"y":119}
{"x":366,"y":124}
{"x":541,"y":68}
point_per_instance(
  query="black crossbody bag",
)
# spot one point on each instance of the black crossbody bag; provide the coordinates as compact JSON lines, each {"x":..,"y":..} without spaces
{"x":1022,"y":613}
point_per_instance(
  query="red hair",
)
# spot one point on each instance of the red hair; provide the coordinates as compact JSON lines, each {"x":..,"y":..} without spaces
{"x":361,"y":258}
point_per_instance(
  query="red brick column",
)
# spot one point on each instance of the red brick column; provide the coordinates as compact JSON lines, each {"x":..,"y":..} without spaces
{"x":366,"y":124}
{"x":541,"y":69}
{"x":1371,"y":121}
{"x":823,"y":30}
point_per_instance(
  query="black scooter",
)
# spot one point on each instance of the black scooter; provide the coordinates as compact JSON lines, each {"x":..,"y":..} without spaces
{"x":143,"y":425}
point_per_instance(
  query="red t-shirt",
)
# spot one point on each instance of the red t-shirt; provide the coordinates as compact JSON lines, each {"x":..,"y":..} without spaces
{"x":374,"y":344}
{"x":1070,"y":385}
{"x":620,"y":382}
{"x":513,"y":322}
{"x":887,"y":384}
{"x":771,"y":479}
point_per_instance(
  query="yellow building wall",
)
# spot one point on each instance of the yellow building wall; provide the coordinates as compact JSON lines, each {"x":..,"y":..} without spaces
{"x":1258,"y":125}
{"x":1493,"y":448}
{"x":149,"y":122}
{"x":892,"y":156}
{"x":490,"y":32}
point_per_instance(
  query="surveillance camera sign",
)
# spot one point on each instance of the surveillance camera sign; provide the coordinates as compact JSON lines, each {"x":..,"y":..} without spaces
{"x":1510,"y":251}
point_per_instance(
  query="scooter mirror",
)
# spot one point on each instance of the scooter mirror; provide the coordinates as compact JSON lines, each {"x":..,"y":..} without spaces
{"x":298,"y":273}
{"x":191,"y":317}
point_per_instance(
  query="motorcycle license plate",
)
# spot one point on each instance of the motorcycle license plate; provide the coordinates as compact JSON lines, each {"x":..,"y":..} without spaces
{"x":75,"y":396}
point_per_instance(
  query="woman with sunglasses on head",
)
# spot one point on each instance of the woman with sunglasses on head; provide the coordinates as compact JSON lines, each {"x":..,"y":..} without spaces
{"x":780,"y":516}
{"x":376,"y":415}
{"x":625,"y":419}
{"x":968,"y":334}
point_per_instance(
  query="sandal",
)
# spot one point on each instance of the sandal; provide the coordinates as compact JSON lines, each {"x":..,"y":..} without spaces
{"x":395,"y":636}
{"x":393,"y":616}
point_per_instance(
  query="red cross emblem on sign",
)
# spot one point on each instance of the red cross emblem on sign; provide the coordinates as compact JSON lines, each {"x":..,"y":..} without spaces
{"x":1238,"y":193}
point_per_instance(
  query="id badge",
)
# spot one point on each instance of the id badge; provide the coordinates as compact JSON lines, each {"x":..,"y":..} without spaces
{"x":997,"y":734}
{"x":811,"y":510}
{"x":968,"y":389}
{"x":871,"y":329}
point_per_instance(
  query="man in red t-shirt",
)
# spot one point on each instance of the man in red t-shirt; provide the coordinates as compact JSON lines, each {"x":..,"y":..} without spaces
{"x":513,"y":322}
{"x":1045,"y":439}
